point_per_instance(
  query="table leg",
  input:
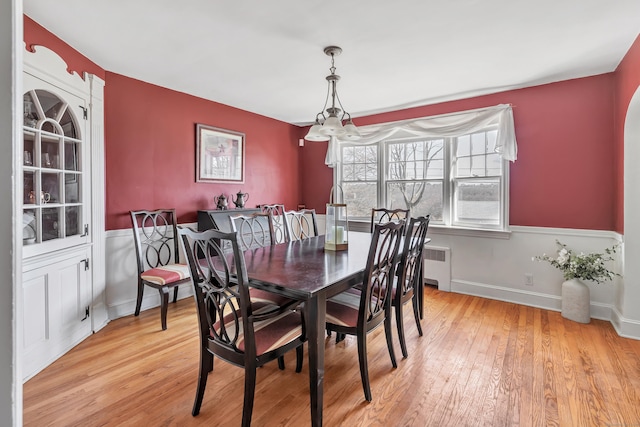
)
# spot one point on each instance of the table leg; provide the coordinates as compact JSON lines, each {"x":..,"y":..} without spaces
{"x":316,"y":313}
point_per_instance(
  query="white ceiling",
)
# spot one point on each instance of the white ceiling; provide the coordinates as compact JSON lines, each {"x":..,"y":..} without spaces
{"x":267,"y":56}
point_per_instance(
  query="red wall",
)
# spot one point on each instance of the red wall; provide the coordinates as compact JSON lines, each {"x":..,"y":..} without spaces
{"x":627,"y":77}
{"x":564,"y":175}
{"x":151,"y":145}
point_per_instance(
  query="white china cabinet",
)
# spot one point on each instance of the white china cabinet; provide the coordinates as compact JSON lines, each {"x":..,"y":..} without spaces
{"x":63,"y":238}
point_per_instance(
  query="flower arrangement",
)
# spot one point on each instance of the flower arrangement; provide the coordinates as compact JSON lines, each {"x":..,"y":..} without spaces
{"x":581,"y":266}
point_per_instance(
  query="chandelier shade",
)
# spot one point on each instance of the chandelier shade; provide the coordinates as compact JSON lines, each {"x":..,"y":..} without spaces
{"x":329,"y":121}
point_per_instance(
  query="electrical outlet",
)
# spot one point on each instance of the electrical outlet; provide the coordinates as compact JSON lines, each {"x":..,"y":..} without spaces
{"x":528,"y":279}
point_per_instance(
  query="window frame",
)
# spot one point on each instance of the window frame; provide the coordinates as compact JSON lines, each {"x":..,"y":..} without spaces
{"x":448,"y":180}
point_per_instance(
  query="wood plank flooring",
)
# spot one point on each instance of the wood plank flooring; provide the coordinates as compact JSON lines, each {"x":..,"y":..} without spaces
{"x":480,"y":363}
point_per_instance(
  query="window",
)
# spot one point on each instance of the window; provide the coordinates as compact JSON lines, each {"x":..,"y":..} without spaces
{"x":460,"y":181}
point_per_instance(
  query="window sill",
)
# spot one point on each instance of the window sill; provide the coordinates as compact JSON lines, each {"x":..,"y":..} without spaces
{"x":355,"y":225}
{"x":470,"y":232}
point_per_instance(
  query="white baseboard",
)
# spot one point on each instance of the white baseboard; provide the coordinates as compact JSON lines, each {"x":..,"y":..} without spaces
{"x":624,"y":327}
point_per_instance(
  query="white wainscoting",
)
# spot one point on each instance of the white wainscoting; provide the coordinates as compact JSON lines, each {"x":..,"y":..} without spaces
{"x":491,"y":267}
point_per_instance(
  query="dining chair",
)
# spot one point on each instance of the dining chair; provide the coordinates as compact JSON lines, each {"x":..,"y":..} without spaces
{"x":358,"y":312}
{"x":278,"y":220}
{"x":409,"y":276}
{"x":156,"y":244}
{"x":254,"y":230}
{"x":232,"y":326}
{"x":383,"y":215}
{"x":300,"y":224}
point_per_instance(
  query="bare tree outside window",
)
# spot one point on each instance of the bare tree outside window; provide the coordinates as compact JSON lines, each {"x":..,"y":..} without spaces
{"x":415,"y":176}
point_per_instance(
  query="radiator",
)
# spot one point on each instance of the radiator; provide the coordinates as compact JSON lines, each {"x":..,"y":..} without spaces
{"x":437,"y":267}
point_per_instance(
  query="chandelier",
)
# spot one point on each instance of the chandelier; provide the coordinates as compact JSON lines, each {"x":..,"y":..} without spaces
{"x":331,"y":123}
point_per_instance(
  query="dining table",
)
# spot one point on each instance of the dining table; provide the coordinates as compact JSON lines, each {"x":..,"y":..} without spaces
{"x":305,"y":271}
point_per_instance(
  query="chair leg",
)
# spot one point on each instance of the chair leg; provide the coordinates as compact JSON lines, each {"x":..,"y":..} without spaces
{"x":139,"y":299}
{"x":400,"y":326}
{"x":206,"y":366}
{"x":340,"y":337}
{"x":299,"y":357}
{"x":416,"y":313}
{"x":364,"y":369}
{"x":175,"y":293}
{"x":164,"y":303}
{"x":281,"y":363}
{"x":387,"y":333}
{"x":249,"y":391}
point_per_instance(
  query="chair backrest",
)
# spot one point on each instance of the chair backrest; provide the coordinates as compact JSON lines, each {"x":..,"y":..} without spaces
{"x":301,"y":224}
{"x":410,"y":262}
{"x":220,"y":290}
{"x":254,"y":230}
{"x":155,"y":237}
{"x":383,"y":215}
{"x":278,"y":220}
{"x":379,"y":272}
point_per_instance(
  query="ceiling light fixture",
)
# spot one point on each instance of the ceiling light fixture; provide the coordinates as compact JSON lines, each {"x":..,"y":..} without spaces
{"x":331,"y":124}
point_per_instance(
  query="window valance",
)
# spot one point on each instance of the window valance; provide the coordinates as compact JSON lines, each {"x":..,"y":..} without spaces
{"x":455,"y":124}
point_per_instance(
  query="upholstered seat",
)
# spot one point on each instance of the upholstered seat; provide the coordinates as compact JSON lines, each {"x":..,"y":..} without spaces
{"x":166,"y":274}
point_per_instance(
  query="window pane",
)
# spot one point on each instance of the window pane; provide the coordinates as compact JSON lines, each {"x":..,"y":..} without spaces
{"x":463,"y":167}
{"x":478,"y":166}
{"x":423,"y":198}
{"x":72,"y":218}
{"x":347,"y":154}
{"x":360,"y":198}
{"x":464,"y":146}
{"x":494,"y":164}
{"x":478,"y":144}
{"x":347,"y":172}
{"x":478,"y":201}
{"x":359,"y":163}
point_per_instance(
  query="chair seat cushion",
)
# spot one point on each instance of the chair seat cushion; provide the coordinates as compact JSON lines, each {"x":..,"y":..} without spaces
{"x":269,"y":334}
{"x":266,"y":297}
{"x":166,"y":274}
{"x":342,"y":309}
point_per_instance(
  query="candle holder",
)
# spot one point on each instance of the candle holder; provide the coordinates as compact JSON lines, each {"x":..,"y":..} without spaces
{"x":337,"y":224}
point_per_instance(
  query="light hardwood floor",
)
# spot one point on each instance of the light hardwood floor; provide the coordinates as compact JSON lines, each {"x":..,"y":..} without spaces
{"x":480,"y":363}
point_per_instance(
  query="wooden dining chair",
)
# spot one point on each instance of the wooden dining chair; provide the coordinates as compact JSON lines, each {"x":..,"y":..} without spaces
{"x":409,"y":276}
{"x":278,"y":220}
{"x":300,"y":224}
{"x":156,"y":244}
{"x":232,"y":326}
{"x":254,"y":230}
{"x":358,"y":312}
{"x":383,"y":215}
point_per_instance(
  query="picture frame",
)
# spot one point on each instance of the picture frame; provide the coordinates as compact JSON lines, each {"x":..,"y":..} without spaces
{"x":219,"y":155}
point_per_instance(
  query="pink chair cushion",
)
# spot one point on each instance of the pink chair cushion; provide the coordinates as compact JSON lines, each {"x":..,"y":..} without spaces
{"x":265,"y":297}
{"x":269,"y":334}
{"x":342,"y":309}
{"x":166,"y":274}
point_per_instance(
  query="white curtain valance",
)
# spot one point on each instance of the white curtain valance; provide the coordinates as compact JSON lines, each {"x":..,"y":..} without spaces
{"x":442,"y":126}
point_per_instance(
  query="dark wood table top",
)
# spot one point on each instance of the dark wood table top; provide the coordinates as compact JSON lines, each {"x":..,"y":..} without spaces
{"x":302,"y":268}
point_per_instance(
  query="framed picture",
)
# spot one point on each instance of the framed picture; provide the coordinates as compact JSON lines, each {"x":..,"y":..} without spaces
{"x":220,"y":155}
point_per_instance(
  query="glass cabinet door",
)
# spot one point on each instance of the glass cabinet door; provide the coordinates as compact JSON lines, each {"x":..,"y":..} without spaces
{"x":53,"y":173}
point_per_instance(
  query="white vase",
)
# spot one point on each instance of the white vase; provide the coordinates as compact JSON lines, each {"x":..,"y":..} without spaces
{"x":576,"y":301}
